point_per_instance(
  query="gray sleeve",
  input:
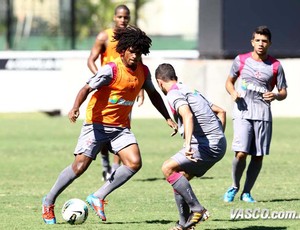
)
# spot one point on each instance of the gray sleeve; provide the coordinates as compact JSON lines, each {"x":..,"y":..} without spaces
{"x":103,"y":77}
{"x":176,"y":99}
{"x":234,"y":71}
{"x":281,"y":81}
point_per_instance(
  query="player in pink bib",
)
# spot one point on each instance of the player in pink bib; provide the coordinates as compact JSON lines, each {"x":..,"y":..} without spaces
{"x":250,"y":83}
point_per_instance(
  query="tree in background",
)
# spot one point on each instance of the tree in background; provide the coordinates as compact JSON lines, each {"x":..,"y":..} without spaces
{"x":93,"y":16}
{"x":74,"y":24}
{"x":137,"y":5}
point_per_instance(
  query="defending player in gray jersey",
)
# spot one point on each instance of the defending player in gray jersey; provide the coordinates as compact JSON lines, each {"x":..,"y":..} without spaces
{"x":202,"y":126}
{"x":250,"y":83}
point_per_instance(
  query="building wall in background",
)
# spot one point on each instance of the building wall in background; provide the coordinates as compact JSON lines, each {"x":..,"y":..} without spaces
{"x":226,"y":27}
{"x":170,"y":17}
{"x":46,"y":10}
{"x":47,"y":81}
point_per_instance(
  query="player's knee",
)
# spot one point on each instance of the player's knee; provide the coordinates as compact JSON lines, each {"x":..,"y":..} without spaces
{"x":135,"y":165}
{"x":241,"y":156}
{"x":166,"y":169}
{"x":80,"y":165}
{"x":78,"y":169}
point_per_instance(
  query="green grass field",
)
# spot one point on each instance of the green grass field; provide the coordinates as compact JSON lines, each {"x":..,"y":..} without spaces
{"x":35,"y":148}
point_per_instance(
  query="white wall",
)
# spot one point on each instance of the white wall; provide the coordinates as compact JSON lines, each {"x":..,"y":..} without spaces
{"x":170,"y":17}
{"x":45,"y":90}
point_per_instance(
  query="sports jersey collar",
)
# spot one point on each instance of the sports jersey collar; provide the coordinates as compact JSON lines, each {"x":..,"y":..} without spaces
{"x":174,"y":87}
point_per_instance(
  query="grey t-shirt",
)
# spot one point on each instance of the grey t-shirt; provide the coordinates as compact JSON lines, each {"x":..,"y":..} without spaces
{"x":253,"y":79}
{"x":207,"y":127}
{"x":104,"y":77}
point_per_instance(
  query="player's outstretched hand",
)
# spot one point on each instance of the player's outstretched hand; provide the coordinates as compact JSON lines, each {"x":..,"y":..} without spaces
{"x":189,"y":155}
{"x":189,"y":152}
{"x":73,"y":115}
{"x":173,"y":125}
{"x":140,"y":98}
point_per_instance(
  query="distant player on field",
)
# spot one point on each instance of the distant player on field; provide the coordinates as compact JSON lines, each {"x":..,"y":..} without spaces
{"x":107,"y":122}
{"x":250,"y":83}
{"x":202,"y":126}
{"x":105,"y":47}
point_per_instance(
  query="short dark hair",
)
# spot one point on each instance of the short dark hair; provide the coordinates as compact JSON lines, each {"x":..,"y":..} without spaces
{"x":165,"y":72}
{"x":132,"y":37}
{"x":264,"y":30}
{"x":122,"y":7}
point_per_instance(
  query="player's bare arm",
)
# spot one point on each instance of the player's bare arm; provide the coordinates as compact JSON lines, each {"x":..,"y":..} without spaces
{"x":282,"y":94}
{"x":97,"y":49}
{"x":80,"y":98}
{"x":271,"y":96}
{"x":221,"y":114}
{"x":188,"y":124}
{"x":230,"y":88}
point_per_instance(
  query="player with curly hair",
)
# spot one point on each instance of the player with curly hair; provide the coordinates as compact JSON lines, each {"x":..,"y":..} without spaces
{"x":107,"y":122}
{"x":105,"y":48}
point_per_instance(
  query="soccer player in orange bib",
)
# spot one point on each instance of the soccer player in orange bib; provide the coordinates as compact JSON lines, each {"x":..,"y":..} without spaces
{"x":105,"y":47}
{"x":107,"y":122}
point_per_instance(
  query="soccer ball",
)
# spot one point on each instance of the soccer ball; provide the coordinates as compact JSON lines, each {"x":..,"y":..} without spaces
{"x":75,"y":211}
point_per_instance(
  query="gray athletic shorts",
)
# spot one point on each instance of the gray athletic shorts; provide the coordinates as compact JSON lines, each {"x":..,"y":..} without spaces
{"x":206,"y":157}
{"x":251,"y":136}
{"x":94,"y":136}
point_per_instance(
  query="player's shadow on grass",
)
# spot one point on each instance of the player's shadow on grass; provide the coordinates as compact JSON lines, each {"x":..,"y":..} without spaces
{"x":139,"y":222}
{"x":281,"y":200}
{"x":158,"y":221}
{"x":149,"y":179}
{"x":254,"y":228}
{"x":165,"y":222}
{"x":157,"y":179}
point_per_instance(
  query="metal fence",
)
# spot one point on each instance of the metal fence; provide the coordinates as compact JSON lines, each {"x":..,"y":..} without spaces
{"x":36,"y":25}
{"x":64,"y":25}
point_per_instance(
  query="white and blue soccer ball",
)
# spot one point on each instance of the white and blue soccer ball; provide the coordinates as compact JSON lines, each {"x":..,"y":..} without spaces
{"x":75,"y":211}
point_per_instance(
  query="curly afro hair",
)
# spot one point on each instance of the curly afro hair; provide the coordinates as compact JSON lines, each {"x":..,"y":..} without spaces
{"x":132,"y":37}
